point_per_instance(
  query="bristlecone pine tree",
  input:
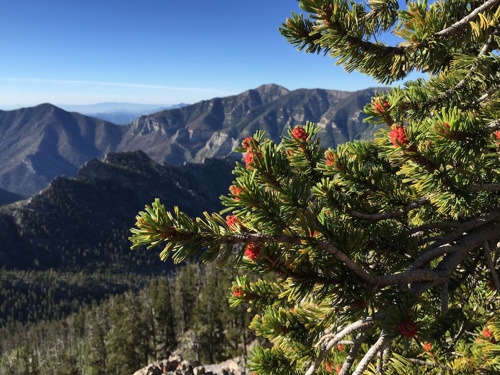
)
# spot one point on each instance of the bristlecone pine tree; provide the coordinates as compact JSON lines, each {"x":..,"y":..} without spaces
{"x":385,"y":252}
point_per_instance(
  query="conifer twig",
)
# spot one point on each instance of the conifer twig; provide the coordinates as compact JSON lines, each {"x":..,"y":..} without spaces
{"x":488,"y":187}
{"x":391,"y":215}
{"x":327,"y":342}
{"x":372,"y":352}
{"x":353,"y":353}
{"x":461,"y":250}
{"x":444,"y":298}
{"x":465,"y":21}
{"x":421,"y":362}
{"x":491,"y":265}
{"x":444,"y":246}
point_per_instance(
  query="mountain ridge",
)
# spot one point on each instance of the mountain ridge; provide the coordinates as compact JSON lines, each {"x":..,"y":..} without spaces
{"x":82,"y":222}
{"x":40,"y":143}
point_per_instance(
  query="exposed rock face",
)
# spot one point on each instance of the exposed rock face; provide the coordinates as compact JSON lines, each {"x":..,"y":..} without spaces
{"x":40,"y":143}
{"x":175,"y":365}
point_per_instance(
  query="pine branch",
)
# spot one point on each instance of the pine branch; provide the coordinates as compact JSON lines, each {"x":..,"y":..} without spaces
{"x":392,"y":215}
{"x":327,"y":342}
{"x":444,"y":298}
{"x":460,"y":251}
{"x":452,"y":92}
{"x":371,"y":353}
{"x":488,"y":187}
{"x":382,"y":355}
{"x":386,"y":355}
{"x":413,"y":276}
{"x":298,"y":240}
{"x":441,"y":225}
{"x":381,"y":51}
{"x":491,"y":265}
{"x":484,"y":50}
{"x":470,"y":17}
{"x":407,"y":277}
{"x":482,"y":98}
{"x":427,"y":363}
{"x":444,"y":246}
{"x":495,"y":125}
{"x":353,"y":353}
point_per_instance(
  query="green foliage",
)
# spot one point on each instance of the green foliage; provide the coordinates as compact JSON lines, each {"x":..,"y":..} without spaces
{"x":81,"y":224}
{"x":387,"y":248}
{"x":29,"y":297}
{"x":121,"y":333}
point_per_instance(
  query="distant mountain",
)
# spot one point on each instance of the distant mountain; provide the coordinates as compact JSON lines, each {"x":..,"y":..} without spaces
{"x":212,"y":128}
{"x":120,"y":117}
{"x":108,"y":107}
{"x":119,"y":113}
{"x":82,"y":223}
{"x":7,"y":197}
{"x":40,"y":143}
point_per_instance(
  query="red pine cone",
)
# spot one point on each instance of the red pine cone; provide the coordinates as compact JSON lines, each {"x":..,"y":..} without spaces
{"x":248,"y":142}
{"x":380,"y":106}
{"x":329,"y":366}
{"x":408,"y":328}
{"x":487,"y":334}
{"x":249,"y":162}
{"x":330,"y":159}
{"x":252,"y":251}
{"x":232,"y":221}
{"x":398,"y":137}
{"x":497,"y":135}
{"x":235,"y":190}
{"x":299,"y":133}
{"x":444,"y":129}
{"x":238,"y":291}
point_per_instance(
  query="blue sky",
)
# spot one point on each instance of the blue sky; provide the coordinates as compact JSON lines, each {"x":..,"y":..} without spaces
{"x":152,"y":51}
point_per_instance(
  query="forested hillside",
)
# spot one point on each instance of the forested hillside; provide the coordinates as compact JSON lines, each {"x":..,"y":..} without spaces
{"x":69,"y":279}
{"x":119,"y":334}
{"x":82,"y":224}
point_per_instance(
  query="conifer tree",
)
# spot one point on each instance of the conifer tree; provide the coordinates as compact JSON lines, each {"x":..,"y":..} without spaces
{"x":164,"y":319}
{"x":385,"y":251}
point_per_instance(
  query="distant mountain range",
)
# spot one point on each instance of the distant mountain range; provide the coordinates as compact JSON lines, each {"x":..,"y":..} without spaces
{"x":40,"y":143}
{"x":119,"y":113}
{"x":109,"y":107}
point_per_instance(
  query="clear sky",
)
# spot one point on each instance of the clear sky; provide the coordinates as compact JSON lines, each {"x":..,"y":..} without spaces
{"x":152,"y":51}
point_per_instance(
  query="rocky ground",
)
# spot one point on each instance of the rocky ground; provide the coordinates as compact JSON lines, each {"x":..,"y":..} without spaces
{"x":176,"y":365}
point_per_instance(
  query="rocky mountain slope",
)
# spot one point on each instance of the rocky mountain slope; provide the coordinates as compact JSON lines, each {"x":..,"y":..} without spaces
{"x":40,"y":143}
{"x":82,"y":223}
{"x":37,"y":144}
{"x":214,"y":127}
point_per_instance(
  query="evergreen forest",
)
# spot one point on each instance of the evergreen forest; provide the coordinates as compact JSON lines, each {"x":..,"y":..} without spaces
{"x":69,"y":323}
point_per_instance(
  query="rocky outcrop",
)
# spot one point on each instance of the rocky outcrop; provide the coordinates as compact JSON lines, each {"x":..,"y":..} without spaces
{"x":176,"y":365}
